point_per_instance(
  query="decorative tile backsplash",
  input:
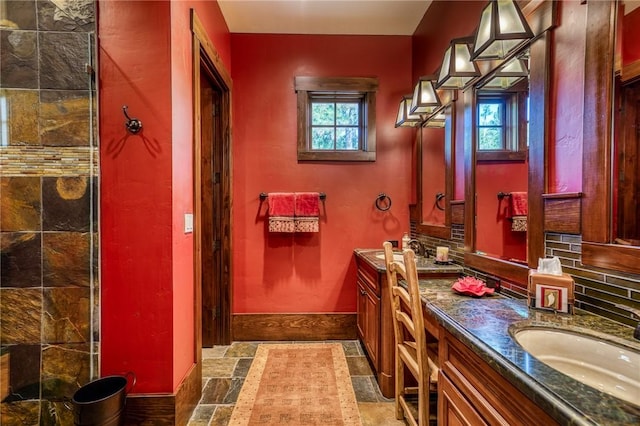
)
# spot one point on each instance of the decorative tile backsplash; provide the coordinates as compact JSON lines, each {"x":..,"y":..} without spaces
{"x":596,"y":290}
{"x":48,"y":202}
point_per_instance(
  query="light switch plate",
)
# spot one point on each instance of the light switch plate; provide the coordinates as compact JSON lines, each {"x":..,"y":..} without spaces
{"x":188,"y":223}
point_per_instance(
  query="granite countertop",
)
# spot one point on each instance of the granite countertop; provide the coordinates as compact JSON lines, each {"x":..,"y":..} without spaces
{"x":484,"y":325}
{"x":424,"y":265}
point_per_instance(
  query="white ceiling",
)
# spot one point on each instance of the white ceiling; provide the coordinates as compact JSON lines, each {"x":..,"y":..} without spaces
{"x":370,"y":17}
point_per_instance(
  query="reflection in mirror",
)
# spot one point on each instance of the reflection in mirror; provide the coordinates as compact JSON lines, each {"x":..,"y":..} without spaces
{"x":435,"y":135}
{"x":626,"y":217}
{"x":501,"y":127}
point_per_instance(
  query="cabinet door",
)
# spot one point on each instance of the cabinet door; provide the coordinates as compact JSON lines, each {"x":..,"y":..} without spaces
{"x":372,"y":326}
{"x":361,"y":301}
{"x":453,"y":407}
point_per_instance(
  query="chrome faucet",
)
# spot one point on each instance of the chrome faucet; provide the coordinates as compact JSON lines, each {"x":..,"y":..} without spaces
{"x":418,"y":248}
{"x":636,"y":312}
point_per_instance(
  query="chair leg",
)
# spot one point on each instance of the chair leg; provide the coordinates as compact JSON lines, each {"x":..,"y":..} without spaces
{"x":399,"y":387}
{"x":423,"y":404}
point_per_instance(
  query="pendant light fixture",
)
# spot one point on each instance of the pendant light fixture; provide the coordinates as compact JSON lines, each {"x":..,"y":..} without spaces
{"x":405,"y":118}
{"x":425,"y":100}
{"x":502,"y":28}
{"x":508,"y":75}
{"x":437,"y":120}
{"x":457,"y":68}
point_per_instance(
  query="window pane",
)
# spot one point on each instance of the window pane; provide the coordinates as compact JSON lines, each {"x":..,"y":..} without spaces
{"x":347,"y":138}
{"x":490,"y":138}
{"x":322,"y":138}
{"x":347,"y":114}
{"x":322,"y":114}
{"x":490,"y":114}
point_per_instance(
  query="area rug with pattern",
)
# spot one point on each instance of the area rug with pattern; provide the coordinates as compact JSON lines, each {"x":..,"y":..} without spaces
{"x":297,"y":384}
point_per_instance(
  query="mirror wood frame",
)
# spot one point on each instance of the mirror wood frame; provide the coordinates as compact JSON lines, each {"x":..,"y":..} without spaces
{"x":541,"y":16}
{"x":597,"y":249}
{"x":448,"y":99}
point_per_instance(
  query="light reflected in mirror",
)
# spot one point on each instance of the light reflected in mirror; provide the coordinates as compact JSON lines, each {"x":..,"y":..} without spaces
{"x":501,"y":169}
{"x":626,"y":119}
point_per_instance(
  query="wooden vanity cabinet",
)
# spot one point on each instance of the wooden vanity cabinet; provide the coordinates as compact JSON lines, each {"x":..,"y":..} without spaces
{"x":375,"y":326}
{"x":470,"y":392}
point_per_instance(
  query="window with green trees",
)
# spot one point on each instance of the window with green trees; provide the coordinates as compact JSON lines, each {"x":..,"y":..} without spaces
{"x":336,"y":118}
{"x":501,"y":125}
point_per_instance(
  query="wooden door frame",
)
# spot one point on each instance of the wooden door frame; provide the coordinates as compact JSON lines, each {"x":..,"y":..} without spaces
{"x":205,"y":54}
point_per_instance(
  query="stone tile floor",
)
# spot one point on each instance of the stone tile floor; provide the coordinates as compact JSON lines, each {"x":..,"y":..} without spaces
{"x":225,"y":367}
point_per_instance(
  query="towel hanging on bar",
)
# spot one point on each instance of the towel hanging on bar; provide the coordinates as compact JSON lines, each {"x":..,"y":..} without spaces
{"x":281,"y":212}
{"x":307,"y":212}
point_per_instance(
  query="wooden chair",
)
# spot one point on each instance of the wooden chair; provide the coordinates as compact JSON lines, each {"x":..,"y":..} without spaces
{"x":410,"y":339}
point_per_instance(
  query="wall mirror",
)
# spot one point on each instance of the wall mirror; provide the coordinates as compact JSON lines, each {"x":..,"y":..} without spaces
{"x":610,"y":214}
{"x":501,"y":167}
{"x":435,"y":171}
{"x":505,"y":139}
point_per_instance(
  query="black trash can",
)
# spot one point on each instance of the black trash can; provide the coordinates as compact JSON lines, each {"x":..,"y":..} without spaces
{"x":101,"y":402}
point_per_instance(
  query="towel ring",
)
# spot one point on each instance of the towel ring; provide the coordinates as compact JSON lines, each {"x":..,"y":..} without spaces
{"x":383,"y":202}
{"x":439,"y":196}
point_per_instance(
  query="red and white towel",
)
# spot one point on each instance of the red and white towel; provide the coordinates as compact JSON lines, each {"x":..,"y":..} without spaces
{"x":519,"y":210}
{"x":294,"y":212}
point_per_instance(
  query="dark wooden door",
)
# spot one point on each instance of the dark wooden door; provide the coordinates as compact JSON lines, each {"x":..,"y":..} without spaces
{"x":212,"y":217}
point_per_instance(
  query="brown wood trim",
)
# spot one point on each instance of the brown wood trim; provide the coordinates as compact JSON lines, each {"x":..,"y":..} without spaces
{"x":413,"y":213}
{"x":198,"y":30}
{"x":630,"y":72}
{"x":166,"y":409}
{"x":513,"y":272}
{"x":439,"y":231}
{"x":541,"y":15}
{"x":205,"y":54}
{"x":327,"y":84}
{"x":562,"y":215}
{"x":335,"y":155}
{"x":611,"y":256}
{"x":562,"y":195}
{"x":538,"y":139}
{"x":268,"y":327}
{"x":188,"y":394}
{"x":598,"y":90}
{"x":457,"y":212}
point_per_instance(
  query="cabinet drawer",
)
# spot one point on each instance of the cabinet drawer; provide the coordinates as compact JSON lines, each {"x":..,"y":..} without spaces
{"x":495,"y":399}
{"x":370,"y":276}
{"x":453,"y":407}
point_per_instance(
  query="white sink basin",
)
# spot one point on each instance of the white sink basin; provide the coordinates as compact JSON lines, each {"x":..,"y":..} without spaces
{"x":602,"y":365}
{"x":396,"y":256}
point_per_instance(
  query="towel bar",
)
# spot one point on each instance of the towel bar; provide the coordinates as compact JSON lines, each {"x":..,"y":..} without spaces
{"x":501,"y":195}
{"x":264,"y":195}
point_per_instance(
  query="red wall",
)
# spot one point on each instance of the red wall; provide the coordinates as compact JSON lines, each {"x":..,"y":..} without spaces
{"x":433,"y":175}
{"x":631,"y":37}
{"x":146,"y":185}
{"x":445,"y":20}
{"x":311,"y":272}
{"x":567,"y":98}
{"x":493,"y":230}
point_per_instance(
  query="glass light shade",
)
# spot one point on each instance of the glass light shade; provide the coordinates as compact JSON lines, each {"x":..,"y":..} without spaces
{"x":437,"y":120}
{"x":404,"y":117}
{"x":508,"y":75}
{"x":425,"y":99}
{"x":502,"y":27}
{"x":457,"y":68}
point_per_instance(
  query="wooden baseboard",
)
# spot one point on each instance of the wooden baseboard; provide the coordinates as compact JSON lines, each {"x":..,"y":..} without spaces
{"x":166,"y":409}
{"x":293,"y":327}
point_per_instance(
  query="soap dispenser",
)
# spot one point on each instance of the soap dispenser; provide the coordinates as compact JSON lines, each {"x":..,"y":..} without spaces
{"x":405,"y":241}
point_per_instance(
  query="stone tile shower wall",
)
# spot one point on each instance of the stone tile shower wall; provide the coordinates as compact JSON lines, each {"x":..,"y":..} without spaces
{"x":48,"y":208}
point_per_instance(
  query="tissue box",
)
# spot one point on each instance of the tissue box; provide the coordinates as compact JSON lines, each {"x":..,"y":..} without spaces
{"x":551,"y":292}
